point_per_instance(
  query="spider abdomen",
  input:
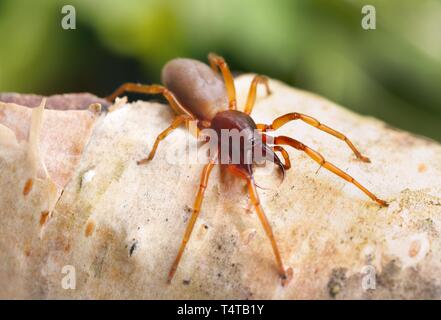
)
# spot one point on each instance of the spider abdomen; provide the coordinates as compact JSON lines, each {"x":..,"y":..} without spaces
{"x":196,"y":86}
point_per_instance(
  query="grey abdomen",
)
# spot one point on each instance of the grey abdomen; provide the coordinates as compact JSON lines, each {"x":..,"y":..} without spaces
{"x":196,"y":87}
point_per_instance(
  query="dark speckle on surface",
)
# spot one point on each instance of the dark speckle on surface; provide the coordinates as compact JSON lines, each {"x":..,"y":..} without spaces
{"x":133,"y":247}
{"x":336,"y":281}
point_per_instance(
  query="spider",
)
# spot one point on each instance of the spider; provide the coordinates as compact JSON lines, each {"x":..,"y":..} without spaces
{"x":196,"y":92}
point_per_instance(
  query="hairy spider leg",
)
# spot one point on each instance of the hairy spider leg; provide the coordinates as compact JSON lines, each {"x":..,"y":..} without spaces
{"x":285,"y":156}
{"x":177,"y":121}
{"x":152,"y":89}
{"x":251,"y":99}
{"x":266,"y":226}
{"x":283,"y":140}
{"x":262,"y":217}
{"x":183,"y":114}
{"x":219,"y":62}
{"x":282,"y":120}
{"x":194,"y":215}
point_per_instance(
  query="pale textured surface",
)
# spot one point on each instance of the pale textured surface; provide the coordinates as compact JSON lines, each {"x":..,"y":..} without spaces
{"x":63,"y":136}
{"x":120,"y":224}
{"x":25,"y":208}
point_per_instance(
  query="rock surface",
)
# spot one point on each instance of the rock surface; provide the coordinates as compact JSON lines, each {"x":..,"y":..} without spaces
{"x":119,"y":225}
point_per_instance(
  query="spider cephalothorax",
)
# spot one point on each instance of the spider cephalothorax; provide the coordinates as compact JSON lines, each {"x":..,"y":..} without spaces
{"x":240,"y":142}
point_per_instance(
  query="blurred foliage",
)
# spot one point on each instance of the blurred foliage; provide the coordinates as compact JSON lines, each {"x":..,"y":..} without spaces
{"x":393,"y":72}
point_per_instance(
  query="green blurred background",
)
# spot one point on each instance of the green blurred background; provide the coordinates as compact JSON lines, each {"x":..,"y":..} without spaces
{"x":393,"y":72}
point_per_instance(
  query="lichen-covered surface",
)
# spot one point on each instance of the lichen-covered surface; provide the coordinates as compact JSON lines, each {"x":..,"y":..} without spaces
{"x":120,"y":225}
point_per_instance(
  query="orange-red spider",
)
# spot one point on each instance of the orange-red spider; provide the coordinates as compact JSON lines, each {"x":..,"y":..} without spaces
{"x":196,"y":92}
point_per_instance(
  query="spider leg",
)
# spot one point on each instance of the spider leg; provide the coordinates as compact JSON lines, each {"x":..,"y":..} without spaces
{"x":177,"y":121}
{"x":219,"y":62}
{"x":254,"y":197}
{"x":151,"y":89}
{"x":285,"y":156}
{"x":258,"y":79}
{"x":282,"y":120}
{"x":283,"y":140}
{"x":266,"y":226}
{"x":194,"y":215}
